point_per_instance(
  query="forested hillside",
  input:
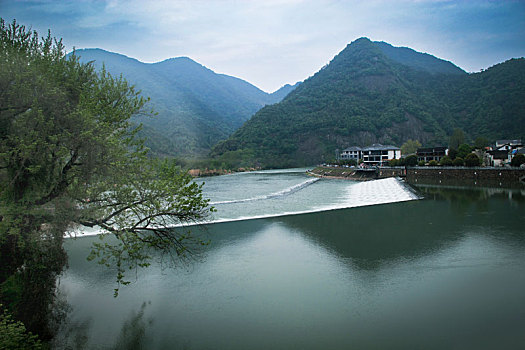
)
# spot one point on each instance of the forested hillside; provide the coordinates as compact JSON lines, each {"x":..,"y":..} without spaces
{"x":373,"y":92}
{"x":195,"y":106}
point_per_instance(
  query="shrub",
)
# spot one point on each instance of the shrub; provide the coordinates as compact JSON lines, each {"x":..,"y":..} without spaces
{"x":472,"y":160}
{"x":411,"y":160}
{"x":458,"y":162}
{"x":518,"y":160}
{"x":393,"y":162}
{"x":433,"y":163}
{"x":445,"y":161}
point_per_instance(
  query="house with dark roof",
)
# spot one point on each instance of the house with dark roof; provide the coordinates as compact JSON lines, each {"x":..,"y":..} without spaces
{"x":499,"y":157}
{"x":351,"y":153}
{"x":431,"y":153}
{"x":504,"y":151}
{"x":508,"y":144}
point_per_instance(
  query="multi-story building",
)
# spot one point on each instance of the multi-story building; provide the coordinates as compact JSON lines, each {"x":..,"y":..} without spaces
{"x":376,"y":154}
{"x":431,"y":153}
{"x":351,"y":153}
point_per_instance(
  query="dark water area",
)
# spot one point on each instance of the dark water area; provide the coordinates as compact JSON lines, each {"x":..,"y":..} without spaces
{"x":444,"y":272}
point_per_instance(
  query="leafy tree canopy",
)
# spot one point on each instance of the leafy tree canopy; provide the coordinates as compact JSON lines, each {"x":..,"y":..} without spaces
{"x":457,"y":138}
{"x":411,"y":160}
{"x":410,"y":147}
{"x":69,"y":157}
{"x":463,"y":150}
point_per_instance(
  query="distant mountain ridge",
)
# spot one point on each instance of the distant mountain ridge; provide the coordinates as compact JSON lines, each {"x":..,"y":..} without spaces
{"x":196,"y":107}
{"x":373,"y":92}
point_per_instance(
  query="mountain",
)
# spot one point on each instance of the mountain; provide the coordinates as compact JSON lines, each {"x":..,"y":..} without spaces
{"x":372,"y":92}
{"x":195,"y":106}
{"x":283,"y":92}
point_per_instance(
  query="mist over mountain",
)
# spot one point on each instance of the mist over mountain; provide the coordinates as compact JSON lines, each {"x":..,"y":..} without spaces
{"x":374,"y":92}
{"x":196,"y":107}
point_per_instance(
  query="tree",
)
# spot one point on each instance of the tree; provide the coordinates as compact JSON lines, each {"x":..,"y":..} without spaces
{"x":13,"y":334}
{"x":411,"y":160}
{"x":456,"y":139}
{"x":410,"y":147}
{"x":518,"y":160}
{"x":472,"y":160}
{"x":69,"y":156}
{"x":463,"y":150}
{"x":481,"y":142}
{"x":452,"y":153}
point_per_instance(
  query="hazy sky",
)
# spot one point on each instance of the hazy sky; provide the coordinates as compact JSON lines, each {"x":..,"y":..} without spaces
{"x":273,"y":42}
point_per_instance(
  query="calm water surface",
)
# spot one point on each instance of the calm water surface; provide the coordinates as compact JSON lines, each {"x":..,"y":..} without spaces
{"x":447,"y":271}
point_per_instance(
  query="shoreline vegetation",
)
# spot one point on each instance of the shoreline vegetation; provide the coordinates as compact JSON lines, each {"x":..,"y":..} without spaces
{"x":196,"y":172}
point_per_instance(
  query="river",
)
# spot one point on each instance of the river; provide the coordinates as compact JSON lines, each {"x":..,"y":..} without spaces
{"x":301,"y":263}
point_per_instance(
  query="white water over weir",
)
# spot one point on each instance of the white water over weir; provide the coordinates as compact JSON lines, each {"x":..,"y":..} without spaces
{"x":272,"y":194}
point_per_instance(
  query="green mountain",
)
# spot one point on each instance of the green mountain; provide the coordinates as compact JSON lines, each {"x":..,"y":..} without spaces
{"x":374,"y":92}
{"x":195,"y":107}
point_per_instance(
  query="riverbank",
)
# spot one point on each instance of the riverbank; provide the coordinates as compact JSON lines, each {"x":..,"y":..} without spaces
{"x":477,"y":176}
{"x":216,"y":172}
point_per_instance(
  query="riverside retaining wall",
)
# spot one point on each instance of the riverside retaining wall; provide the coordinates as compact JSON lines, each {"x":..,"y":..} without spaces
{"x":486,"y":176}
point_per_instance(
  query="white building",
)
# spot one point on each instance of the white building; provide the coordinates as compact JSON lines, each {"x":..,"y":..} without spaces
{"x":376,"y":154}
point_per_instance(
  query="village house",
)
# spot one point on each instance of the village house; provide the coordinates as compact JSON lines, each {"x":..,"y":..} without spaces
{"x":503,"y":152}
{"x":376,"y":154}
{"x":508,"y":145}
{"x":431,"y":153}
{"x":351,"y":153}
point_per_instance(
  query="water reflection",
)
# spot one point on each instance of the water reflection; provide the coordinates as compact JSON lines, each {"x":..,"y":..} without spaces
{"x":75,"y":334}
{"x":442,"y":272}
{"x":375,"y":235}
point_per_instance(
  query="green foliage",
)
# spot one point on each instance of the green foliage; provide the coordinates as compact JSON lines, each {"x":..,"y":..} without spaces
{"x":463,"y":150}
{"x":411,"y":160}
{"x":365,"y":95}
{"x":421,"y":163}
{"x":458,"y":161}
{"x":196,"y":108}
{"x":13,"y":334}
{"x":394,"y":162}
{"x":457,"y":138}
{"x":452,"y":153}
{"x":518,"y":160}
{"x":472,"y":160}
{"x":481,"y":142}
{"x":69,"y":156}
{"x":410,"y":147}
{"x":433,"y":163}
{"x":446,"y":161}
